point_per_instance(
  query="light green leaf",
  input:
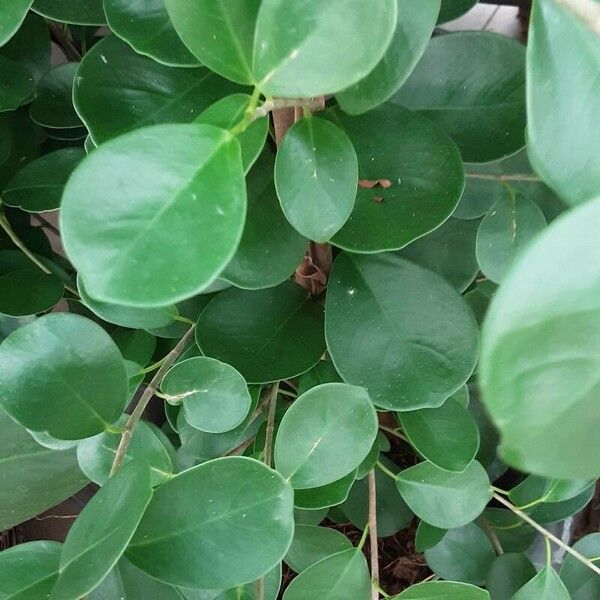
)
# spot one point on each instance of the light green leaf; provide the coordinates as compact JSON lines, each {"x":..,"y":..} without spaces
{"x":414,"y":353}
{"x":508,"y":573}
{"x":325,"y":434}
{"x":133,"y":208}
{"x":414,"y":25}
{"x":102,"y":531}
{"x":267,"y":335}
{"x":452,"y":9}
{"x":415,"y":172}
{"x":540,"y":354}
{"x":472,"y":83}
{"x":443,"y":590}
{"x":325,"y":496}
{"x":305,"y":49}
{"x":546,"y":585}
{"x":16,"y":84}
{"x":64,"y":375}
{"x":12,"y":14}
{"x":214,"y":395}
{"x":316,"y":174}
{"x":27,"y":292}
{"x":580,"y":581}
{"x":81,"y":12}
{"x":427,"y":536}
{"x":563,"y":55}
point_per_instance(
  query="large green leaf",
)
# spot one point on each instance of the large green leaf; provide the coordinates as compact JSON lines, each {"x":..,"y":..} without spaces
{"x":267,"y":335}
{"x":306,"y":49}
{"x":16,"y":84}
{"x":418,"y":338}
{"x":325,"y":434}
{"x":102,"y":531}
{"x":32,"y":477}
{"x":546,"y":585}
{"x":316,"y":174}
{"x":580,"y":581}
{"x":12,"y":13}
{"x":563,"y":55}
{"x":508,"y":574}
{"x":214,"y":395}
{"x":414,"y":24}
{"x":81,"y":12}
{"x":540,"y":352}
{"x":26,"y":292}
{"x":132,"y":211}
{"x":64,"y":375}
{"x":28,"y":571}
{"x":443,"y":590}
{"x":146,"y":26}
{"x":338,"y":577}
{"x":473,"y":84}
{"x":118,"y":90}
{"x":443,"y":499}
{"x":421,"y":173}
{"x":232,"y":518}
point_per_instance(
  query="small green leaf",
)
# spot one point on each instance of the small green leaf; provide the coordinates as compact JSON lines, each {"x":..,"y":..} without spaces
{"x":325,"y":434}
{"x":16,"y":84}
{"x":225,"y":544}
{"x":427,"y":536}
{"x":546,"y":585}
{"x":580,"y":581}
{"x":309,"y":517}
{"x":12,"y":14}
{"x":141,"y":199}
{"x":322,"y":372}
{"x":325,"y":496}
{"x":64,"y":375}
{"x":102,"y":531}
{"x":560,"y":490}
{"x":267,"y":335}
{"x":214,"y":395}
{"x":509,"y":572}
{"x":551,"y":512}
{"x":82,"y":12}
{"x":28,"y":292}
{"x":316,"y":174}
{"x":443,"y":590}
{"x":452,"y":9}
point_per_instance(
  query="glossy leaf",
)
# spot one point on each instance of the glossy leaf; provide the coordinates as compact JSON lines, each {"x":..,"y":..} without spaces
{"x":563,"y":55}
{"x":267,"y":335}
{"x":12,"y":13}
{"x":414,"y":25}
{"x":446,"y":436}
{"x":305,"y":49}
{"x":546,"y":585}
{"x":540,"y":343}
{"x":82,"y":12}
{"x":325,"y":434}
{"x":324,"y":496}
{"x":509,"y":572}
{"x":64,"y":375}
{"x":192,"y":515}
{"x":176,"y":180}
{"x":443,"y":590}
{"x":27,"y":292}
{"x":473,"y":85}
{"x":580,"y":581}
{"x":16,"y":85}
{"x":312,"y":544}
{"x":420,"y":168}
{"x":418,"y":338}
{"x":214,"y":395}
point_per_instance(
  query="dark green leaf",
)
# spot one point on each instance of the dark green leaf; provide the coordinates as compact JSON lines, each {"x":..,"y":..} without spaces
{"x":551,"y":512}
{"x":427,"y":536}
{"x":509,"y":572}
{"x":80,"y":12}
{"x":312,"y":544}
{"x":19,"y":143}
{"x":322,"y":372}
{"x":452,"y":9}
{"x":443,"y":590}
{"x":546,"y":585}
{"x":580,"y":581}
{"x":325,"y":496}
{"x":12,"y":13}
{"x":16,"y":84}
{"x":28,"y":292}
{"x":309,"y":517}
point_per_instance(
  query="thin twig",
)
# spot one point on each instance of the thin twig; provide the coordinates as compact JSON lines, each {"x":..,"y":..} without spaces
{"x":241,"y":448}
{"x":546,"y":533}
{"x":491,"y":534}
{"x":140,"y":407}
{"x":45,"y":223}
{"x":64,"y":41}
{"x":394,"y":432}
{"x":373,"y":535}
{"x":268,"y":453}
{"x":515,"y":177}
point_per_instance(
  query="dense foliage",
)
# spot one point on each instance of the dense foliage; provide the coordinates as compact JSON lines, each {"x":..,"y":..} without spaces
{"x":287,"y":222}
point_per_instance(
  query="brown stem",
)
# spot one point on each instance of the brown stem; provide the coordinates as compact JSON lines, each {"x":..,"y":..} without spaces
{"x":373,"y":535}
{"x":516,"y":177}
{"x":491,"y":534}
{"x":140,"y":407}
{"x":45,"y":223}
{"x":64,"y":41}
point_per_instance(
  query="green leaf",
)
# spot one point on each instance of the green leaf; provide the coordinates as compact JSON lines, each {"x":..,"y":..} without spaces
{"x":305,"y":49}
{"x":561,"y":490}
{"x":16,"y":84}
{"x":316,"y":174}
{"x":39,"y":185}
{"x":102,"y":531}
{"x":325,"y":434}
{"x":505,"y":231}
{"x":28,"y":292}
{"x":508,"y":573}
{"x":229,"y":112}
{"x":118,"y":90}
{"x":427,"y":536}
{"x":551,"y":512}
{"x":512,"y":533}
{"x":322,"y":372}
{"x":53,"y":105}
{"x":338,"y":577}
{"x":414,"y":25}
{"x":267,"y":335}
{"x":312,"y":544}
{"x":28,"y":571}
{"x":97,"y":454}
{"x":580,"y":581}
{"x":449,"y":251}
{"x":325,"y":496}
{"x":12,"y":14}
{"x":82,"y":12}
{"x":265,"y":260}
{"x":141,"y":199}
{"x":563,"y":55}
{"x":414,"y":353}
{"x":19,"y":143}
{"x":146,"y":26}
{"x":546,"y":585}
{"x":463,"y":554}
{"x":472,"y":83}
{"x":443,"y":590}
{"x":446,"y":500}
{"x":32,"y":478}
{"x":64,"y":375}
{"x":189,"y":309}
{"x":540,"y":350}
{"x":452,"y":9}
{"x":226,"y":544}
{"x":420,"y":167}
{"x":214,"y":395}
{"x":309,"y":517}
{"x":446,"y":436}
{"x":368,"y":463}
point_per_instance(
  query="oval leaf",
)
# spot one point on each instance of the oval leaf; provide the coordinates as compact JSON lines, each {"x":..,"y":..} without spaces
{"x":12,"y":14}
{"x":508,"y":574}
{"x":16,"y":86}
{"x":546,"y":585}
{"x":443,"y":590}
{"x":82,"y":12}
{"x":28,"y":292}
